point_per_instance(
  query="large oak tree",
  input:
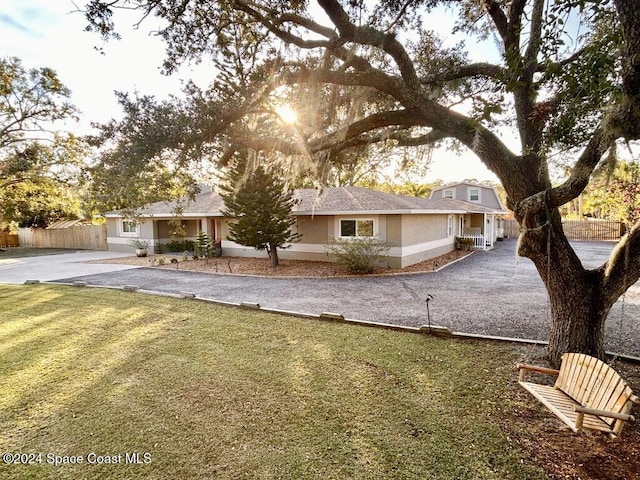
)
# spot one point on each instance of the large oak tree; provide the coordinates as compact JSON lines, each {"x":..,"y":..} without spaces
{"x":567,"y":78}
{"x":38,"y":161}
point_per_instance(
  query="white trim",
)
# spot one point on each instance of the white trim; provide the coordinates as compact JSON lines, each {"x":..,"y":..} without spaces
{"x":373,"y":220}
{"x":420,"y":247}
{"x":291,"y":247}
{"x":453,"y":193}
{"x":121,"y":231}
{"x":168,"y":216}
{"x":316,"y":248}
{"x":306,"y":247}
{"x":323,"y":213}
{"x":406,"y":211}
{"x":479,"y":200}
{"x":127,"y":241}
{"x":229,"y":244}
{"x":320,"y":248}
{"x":118,"y":240}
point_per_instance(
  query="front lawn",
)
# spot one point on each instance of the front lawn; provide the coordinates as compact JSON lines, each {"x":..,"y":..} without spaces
{"x":202,"y":391}
{"x":21,"y":252}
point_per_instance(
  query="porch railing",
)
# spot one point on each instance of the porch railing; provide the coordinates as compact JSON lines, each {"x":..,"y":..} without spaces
{"x":479,"y":242}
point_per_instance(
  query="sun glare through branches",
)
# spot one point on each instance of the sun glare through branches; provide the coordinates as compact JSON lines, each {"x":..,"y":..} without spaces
{"x":287,"y":114}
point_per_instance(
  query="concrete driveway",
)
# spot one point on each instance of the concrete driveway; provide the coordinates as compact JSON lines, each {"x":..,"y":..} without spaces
{"x":490,"y":293}
{"x":53,"y":267}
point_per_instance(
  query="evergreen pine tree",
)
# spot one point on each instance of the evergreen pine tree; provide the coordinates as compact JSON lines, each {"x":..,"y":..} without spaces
{"x":261,"y":204}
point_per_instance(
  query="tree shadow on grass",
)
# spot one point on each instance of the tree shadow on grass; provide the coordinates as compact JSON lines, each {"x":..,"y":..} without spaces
{"x":225,"y":393}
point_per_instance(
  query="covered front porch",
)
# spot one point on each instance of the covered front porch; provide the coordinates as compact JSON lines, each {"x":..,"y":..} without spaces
{"x":483,"y":228}
{"x":167,"y":230}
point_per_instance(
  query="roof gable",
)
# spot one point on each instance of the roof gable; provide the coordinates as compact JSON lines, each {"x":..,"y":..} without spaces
{"x":489,"y":197}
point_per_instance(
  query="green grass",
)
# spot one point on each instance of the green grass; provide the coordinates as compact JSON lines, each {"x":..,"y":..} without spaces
{"x":19,"y":252}
{"x":216,"y":392}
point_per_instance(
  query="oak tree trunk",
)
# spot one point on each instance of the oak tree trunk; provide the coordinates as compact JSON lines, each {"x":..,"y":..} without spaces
{"x":578,"y":304}
{"x":578,"y":313}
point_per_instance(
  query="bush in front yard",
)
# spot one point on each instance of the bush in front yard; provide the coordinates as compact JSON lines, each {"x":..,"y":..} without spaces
{"x":358,"y":255}
{"x":180,"y":246}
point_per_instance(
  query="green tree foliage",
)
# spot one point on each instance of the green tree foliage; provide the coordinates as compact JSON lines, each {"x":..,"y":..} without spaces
{"x":615,"y":196}
{"x":60,"y":159}
{"x":260,"y":203}
{"x":30,"y":102}
{"x":37,"y":162}
{"x":204,"y":246}
{"x":38,"y":204}
{"x":411,"y":188}
{"x":566,"y":76}
{"x":152,"y":159}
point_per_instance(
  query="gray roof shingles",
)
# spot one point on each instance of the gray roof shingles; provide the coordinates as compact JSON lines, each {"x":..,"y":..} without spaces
{"x":327,"y":201}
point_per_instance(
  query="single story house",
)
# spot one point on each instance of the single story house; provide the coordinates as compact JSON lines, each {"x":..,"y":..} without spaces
{"x":417,"y":228}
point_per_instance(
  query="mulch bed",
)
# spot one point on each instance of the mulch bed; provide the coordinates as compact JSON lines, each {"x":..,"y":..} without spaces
{"x":286,"y":268}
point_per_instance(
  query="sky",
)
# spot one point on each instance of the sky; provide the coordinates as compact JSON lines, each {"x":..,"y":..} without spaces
{"x":50,"y":33}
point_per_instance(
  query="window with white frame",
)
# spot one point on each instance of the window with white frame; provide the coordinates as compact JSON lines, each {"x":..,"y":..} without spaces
{"x":129,"y":228}
{"x":356,"y":228}
{"x":450,"y":226}
{"x":447,"y":194}
{"x":474,"y":194}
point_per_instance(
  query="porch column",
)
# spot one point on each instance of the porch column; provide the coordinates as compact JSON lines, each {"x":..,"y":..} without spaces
{"x":484,"y":230}
{"x":205,"y":227}
{"x":493,"y":228}
{"x":155,"y":241}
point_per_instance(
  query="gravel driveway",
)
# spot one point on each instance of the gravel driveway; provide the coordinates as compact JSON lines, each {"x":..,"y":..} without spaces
{"x":491,"y":293}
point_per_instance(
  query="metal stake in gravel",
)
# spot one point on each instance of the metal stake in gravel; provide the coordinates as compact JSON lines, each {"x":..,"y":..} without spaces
{"x":429,"y":298}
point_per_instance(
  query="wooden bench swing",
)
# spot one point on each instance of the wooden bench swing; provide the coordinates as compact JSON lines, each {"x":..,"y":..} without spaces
{"x":587,"y":393}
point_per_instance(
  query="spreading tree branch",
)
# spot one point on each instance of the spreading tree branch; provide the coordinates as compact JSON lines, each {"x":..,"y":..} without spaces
{"x":500,"y":20}
{"x":535,"y":40}
{"x":349,"y":32}
{"x":480,"y":69}
{"x":557,"y":196}
{"x":622,"y":270}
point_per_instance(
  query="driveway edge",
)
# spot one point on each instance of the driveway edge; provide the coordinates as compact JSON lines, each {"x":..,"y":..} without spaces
{"x":431,"y":330}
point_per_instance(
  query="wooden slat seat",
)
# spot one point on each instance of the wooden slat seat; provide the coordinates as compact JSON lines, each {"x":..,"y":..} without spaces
{"x":587,"y":393}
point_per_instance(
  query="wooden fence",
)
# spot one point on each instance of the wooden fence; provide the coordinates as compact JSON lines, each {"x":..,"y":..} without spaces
{"x":8,"y":240}
{"x":591,"y":229}
{"x":88,"y":237}
{"x":511,"y":229}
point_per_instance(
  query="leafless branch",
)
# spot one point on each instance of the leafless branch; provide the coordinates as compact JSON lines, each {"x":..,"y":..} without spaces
{"x":398,"y":17}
